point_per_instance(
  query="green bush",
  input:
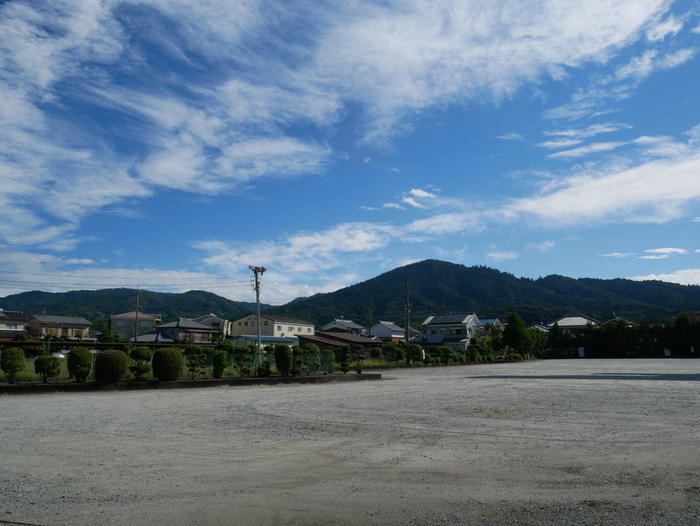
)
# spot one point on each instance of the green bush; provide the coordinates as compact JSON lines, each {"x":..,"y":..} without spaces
{"x":327,"y":361}
{"x":195,"y":359}
{"x":142,"y":361}
{"x":513,"y":356}
{"x":283,"y":359}
{"x":219,"y":362}
{"x":79,"y":363}
{"x":167,"y":363}
{"x":12,"y":362}
{"x":47,"y":366}
{"x":110,"y":366}
{"x":264,"y":369}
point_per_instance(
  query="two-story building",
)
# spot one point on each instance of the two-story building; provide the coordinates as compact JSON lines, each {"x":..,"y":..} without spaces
{"x":124,"y":325}
{"x":12,"y":324}
{"x":70,"y":327}
{"x":573,"y":324}
{"x":453,"y":330}
{"x":272,"y":325}
{"x":183,"y":330}
{"x":222,"y":325}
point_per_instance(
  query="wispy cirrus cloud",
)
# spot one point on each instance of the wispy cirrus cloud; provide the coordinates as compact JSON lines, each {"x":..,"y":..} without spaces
{"x":190,"y":103}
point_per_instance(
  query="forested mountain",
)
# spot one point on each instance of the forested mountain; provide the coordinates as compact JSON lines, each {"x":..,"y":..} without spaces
{"x":100,"y":304}
{"x":436,"y":287}
{"x":439,"y":286}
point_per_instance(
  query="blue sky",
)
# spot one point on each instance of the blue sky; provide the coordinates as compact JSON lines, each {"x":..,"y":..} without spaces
{"x":169,"y":144}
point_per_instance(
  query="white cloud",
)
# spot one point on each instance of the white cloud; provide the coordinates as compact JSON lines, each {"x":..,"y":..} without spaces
{"x":618,"y":255}
{"x":502,"y":255}
{"x":668,"y":251}
{"x":396,"y":206}
{"x":586,"y":102}
{"x":655,"y":256}
{"x":559,"y":143}
{"x":227,"y":121}
{"x":696,"y":29}
{"x":411,"y":201}
{"x":669,"y":26}
{"x":543,"y":246}
{"x":690,"y":276}
{"x":595,"y":147}
{"x":417,"y":192}
{"x":589,"y":131}
{"x":512,"y":136}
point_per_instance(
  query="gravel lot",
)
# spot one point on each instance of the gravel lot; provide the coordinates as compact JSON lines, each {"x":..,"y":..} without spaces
{"x":549,"y":442}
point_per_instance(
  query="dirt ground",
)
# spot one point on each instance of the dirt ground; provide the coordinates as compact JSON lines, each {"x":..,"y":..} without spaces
{"x":549,"y":442}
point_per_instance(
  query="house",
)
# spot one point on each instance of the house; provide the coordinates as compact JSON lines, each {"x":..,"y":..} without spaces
{"x":124,"y":325}
{"x":488,"y":324}
{"x":343,"y":325}
{"x":272,"y":325}
{"x":388,"y":331}
{"x":12,"y":324}
{"x":334,"y":339}
{"x":183,"y":330}
{"x":573,"y":324}
{"x":222,"y":325}
{"x":252,"y":339}
{"x":70,"y":327}
{"x":453,"y":330}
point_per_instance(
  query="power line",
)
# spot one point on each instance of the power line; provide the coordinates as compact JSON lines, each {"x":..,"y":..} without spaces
{"x":67,"y":275}
{"x":220,"y":284}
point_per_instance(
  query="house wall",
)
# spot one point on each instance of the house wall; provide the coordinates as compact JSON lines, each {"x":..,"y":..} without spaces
{"x":124,"y":327}
{"x":248,"y":325}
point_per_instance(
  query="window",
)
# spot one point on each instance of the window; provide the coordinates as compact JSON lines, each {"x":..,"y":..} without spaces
{"x":299,"y":329}
{"x":11,"y":325}
{"x":291,"y":328}
{"x":240,"y":323}
{"x":279,"y":327}
{"x":246,"y":324}
{"x":265,"y":323}
{"x":308,"y":329}
{"x":433,"y":331}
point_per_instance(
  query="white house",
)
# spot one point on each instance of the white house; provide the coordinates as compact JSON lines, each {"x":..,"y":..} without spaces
{"x":454,"y":330}
{"x":573,"y":324}
{"x":388,"y":331}
{"x":272,"y":325}
{"x":12,"y":324}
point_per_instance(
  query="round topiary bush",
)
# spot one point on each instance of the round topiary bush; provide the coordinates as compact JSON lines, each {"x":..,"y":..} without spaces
{"x":79,"y":363}
{"x":110,"y":366}
{"x":47,"y":366}
{"x":12,"y":362}
{"x":167,"y":364}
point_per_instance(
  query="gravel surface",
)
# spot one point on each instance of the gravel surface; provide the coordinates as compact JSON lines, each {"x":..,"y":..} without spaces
{"x":582,"y":442}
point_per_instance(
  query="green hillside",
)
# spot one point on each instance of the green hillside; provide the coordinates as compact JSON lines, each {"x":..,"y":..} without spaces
{"x":439,"y":286}
{"x":100,"y":304}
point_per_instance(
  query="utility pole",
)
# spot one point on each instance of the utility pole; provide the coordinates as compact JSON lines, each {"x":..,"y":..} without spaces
{"x":407,"y":308}
{"x":136,"y":317}
{"x":369,"y":319}
{"x":257,"y":272}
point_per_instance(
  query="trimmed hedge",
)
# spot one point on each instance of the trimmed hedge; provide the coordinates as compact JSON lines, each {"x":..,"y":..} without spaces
{"x":47,"y":366}
{"x":12,"y":362}
{"x":167,"y":364}
{"x":219,"y":362}
{"x":79,"y":363}
{"x":110,"y":366}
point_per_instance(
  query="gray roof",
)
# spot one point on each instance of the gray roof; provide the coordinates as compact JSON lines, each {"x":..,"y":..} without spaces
{"x":185,"y":323}
{"x":395,"y":328}
{"x":573,"y":321}
{"x":348,"y":324}
{"x":72,"y":320}
{"x":152,"y":337}
{"x":132,"y":315}
{"x":449,"y":318}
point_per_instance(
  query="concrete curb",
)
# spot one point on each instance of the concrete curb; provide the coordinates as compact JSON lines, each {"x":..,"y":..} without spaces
{"x":74,"y":387}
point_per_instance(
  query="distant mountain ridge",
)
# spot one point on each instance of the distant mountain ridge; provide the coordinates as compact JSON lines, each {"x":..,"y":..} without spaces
{"x":439,"y":286}
{"x":100,"y":304}
{"x":436,"y":287}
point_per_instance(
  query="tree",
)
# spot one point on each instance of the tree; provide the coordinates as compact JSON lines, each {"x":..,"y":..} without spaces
{"x":414,"y":353}
{"x":327,"y":361}
{"x":516,"y":335}
{"x":219,"y":363}
{"x":283,"y":359}
{"x":47,"y":366}
{"x":110,"y":366}
{"x":167,"y":363}
{"x":79,"y":363}
{"x":392,"y":352}
{"x":342,"y":355}
{"x":195,"y":359}
{"x":141,"y":356}
{"x":12,"y":362}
